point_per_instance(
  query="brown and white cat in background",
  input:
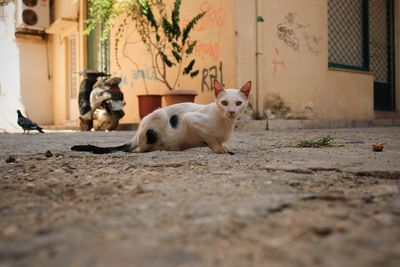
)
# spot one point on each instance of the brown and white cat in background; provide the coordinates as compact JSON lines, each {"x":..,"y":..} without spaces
{"x":186,"y":125}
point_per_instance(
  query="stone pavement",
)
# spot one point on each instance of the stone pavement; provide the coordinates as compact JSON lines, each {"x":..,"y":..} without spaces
{"x":270,"y":204}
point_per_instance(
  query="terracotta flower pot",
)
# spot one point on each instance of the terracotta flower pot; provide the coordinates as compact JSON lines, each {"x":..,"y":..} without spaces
{"x":148,"y":103}
{"x":179,"y":96}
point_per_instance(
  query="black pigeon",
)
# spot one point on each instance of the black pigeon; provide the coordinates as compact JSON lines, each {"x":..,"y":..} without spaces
{"x":27,"y":124}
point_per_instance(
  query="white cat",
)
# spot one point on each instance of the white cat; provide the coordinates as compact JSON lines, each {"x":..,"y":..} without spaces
{"x":186,"y":125}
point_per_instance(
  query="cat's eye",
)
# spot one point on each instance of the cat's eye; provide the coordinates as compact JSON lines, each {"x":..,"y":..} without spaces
{"x":224,"y":102}
{"x":239,"y":103}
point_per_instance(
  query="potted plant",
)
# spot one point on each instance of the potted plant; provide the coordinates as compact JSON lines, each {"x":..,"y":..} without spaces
{"x":167,"y":41}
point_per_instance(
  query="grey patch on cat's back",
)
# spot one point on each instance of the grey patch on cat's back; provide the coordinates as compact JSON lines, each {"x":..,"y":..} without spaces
{"x":151,"y":136}
{"x":173,"y":121}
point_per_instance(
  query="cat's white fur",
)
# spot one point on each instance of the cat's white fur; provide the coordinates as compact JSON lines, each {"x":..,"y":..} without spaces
{"x":197,"y":125}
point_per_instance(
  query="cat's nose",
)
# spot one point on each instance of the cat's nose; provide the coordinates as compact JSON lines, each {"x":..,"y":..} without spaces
{"x":232,"y":113}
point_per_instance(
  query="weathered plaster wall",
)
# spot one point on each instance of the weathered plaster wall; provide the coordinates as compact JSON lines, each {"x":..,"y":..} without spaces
{"x":36,"y":85}
{"x":60,"y":67}
{"x":291,"y":46}
{"x":349,"y":95}
{"x":59,"y":80}
{"x":24,"y":65}
{"x":66,"y":9}
{"x":246,"y":46}
{"x":293,"y":62}
{"x":10,"y":85}
{"x":214,"y":53}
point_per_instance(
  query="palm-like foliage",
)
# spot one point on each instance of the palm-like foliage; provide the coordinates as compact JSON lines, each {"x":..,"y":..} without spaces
{"x":168,"y":43}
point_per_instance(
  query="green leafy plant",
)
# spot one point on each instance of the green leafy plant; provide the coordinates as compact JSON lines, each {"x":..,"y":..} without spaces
{"x":168,"y":42}
{"x":325,"y":141}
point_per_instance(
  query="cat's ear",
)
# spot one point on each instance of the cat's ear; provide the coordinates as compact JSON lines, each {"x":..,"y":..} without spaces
{"x":246,"y":88}
{"x":218,"y":88}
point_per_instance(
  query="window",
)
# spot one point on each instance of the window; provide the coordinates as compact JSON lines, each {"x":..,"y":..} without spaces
{"x":348,"y":34}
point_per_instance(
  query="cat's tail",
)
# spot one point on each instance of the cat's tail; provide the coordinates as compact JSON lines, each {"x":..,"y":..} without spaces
{"x":129,"y":147}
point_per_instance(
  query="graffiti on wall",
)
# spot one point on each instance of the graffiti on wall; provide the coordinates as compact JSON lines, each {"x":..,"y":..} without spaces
{"x":148,"y":74}
{"x":209,"y":75}
{"x":213,"y":20}
{"x":211,"y":49}
{"x":296,"y":35}
{"x":214,"y":17}
{"x":278,"y":61}
{"x":287,"y":31}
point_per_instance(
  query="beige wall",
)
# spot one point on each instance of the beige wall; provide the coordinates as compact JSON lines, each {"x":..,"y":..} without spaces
{"x":349,"y":95}
{"x":36,"y":90}
{"x":65,"y":108}
{"x":58,"y":71}
{"x":295,"y":66}
{"x":246,"y":46}
{"x":66,"y":9}
{"x":215,"y":55}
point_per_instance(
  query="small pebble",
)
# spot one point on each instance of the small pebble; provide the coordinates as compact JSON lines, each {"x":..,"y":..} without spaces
{"x":377,"y":147}
{"x":368,"y":199}
{"x":43,"y":231}
{"x":323,"y":231}
{"x":294,"y":183}
{"x":10,"y":159}
{"x":48,"y":154}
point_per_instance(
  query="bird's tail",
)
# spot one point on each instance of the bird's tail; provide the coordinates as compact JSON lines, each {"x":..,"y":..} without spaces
{"x":103,"y":150}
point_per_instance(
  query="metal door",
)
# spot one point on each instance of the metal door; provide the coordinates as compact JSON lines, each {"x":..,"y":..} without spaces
{"x":381,"y":52}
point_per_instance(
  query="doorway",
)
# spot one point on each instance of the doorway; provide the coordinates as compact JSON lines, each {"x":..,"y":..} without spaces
{"x":382,"y":52}
{"x":361,"y":37}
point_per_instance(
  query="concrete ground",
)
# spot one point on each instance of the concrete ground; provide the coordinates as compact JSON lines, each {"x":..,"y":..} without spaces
{"x":270,"y":204}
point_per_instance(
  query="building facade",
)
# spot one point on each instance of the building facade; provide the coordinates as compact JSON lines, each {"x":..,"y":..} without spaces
{"x":307,"y":59}
{"x":25,"y":78}
{"x":322,"y":59}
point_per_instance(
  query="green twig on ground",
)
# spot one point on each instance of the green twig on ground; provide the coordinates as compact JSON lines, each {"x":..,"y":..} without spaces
{"x":325,"y":141}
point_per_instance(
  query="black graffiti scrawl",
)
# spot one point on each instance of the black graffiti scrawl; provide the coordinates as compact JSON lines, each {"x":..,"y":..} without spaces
{"x":295,"y":35}
{"x":286,"y":31}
